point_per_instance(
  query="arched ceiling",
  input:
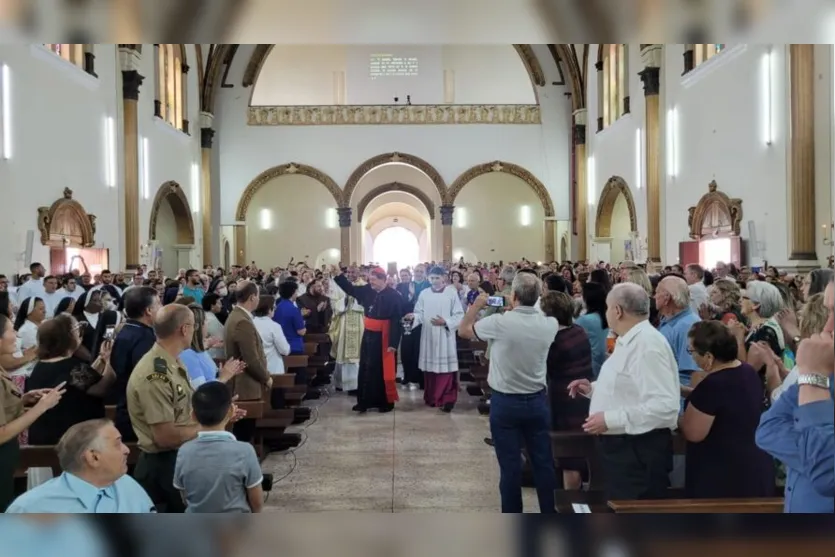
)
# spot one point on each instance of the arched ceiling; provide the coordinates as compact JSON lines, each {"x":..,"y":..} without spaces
{"x":570,"y":59}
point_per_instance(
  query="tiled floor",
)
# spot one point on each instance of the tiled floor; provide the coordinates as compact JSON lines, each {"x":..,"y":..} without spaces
{"x":414,"y":459}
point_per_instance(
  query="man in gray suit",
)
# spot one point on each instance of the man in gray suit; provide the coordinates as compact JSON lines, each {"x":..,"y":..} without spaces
{"x":243,"y":342}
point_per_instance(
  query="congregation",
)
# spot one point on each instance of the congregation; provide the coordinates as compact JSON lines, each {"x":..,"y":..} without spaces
{"x":692,"y":383}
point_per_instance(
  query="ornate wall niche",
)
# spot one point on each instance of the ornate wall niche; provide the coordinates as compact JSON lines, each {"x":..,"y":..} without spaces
{"x":715,"y":215}
{"x":65,"y":223}
{"x":614,"y":187}
{"x":395,"y":186}
{"x":283,"y":170}
{"x":173,"y":194}
{"x":508,"y":168}
{"x":388,"y":158}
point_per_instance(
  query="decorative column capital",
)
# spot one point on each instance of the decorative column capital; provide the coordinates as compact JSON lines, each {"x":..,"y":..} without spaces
{"x":447,"y":211}
{"x":651,"y":55}
{"x":131,"y":81}
{"x":207,"y":136}
{"x":650,"y":76}
{"x":344,"y":214}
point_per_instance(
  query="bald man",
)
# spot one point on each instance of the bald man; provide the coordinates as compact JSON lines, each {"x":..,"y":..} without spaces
{"x":159,"y":404}
{"x":672,"y":298}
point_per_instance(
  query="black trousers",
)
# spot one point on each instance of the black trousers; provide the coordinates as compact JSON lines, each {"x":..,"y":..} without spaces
{"x":155,"y":473}
{"x":409,"y":355}
{"x":9,"y":458}
{"x":637,"y":466}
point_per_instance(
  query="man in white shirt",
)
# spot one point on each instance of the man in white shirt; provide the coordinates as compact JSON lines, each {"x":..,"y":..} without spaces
{"x":34,"y":286}
{"x":634,"y":402}
{"x":695,"y":276}
{"x":519,"y":407}
{"x":51,"y":295}
{"x":71,"y":288}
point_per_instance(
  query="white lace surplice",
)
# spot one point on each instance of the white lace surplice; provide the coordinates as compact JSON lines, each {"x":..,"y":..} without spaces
{"x":438,"y":350}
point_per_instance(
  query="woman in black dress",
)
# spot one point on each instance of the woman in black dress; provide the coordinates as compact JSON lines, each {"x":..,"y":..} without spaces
{"x":86,"y":384}
{"x":720,"y":421}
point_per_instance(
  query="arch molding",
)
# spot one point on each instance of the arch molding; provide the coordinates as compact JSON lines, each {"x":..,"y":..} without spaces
{"x":507,"y":168}
{"x":172,"y":193}
{"x":283,"y":170}
{"x":614,"y":187}
{"x":387,"y":158}
{"x":395,"y":186}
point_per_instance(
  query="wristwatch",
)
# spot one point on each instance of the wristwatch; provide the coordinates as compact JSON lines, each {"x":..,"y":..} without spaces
{"x":814,"y":380}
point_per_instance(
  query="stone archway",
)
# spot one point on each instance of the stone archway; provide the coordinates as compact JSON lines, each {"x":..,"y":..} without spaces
{"x":282,"y":170}
{"x":391,"y":187}
{"x":508,"y":168}
{"x":173,"y":194}
{"x":388,"y":158}
{"x":614,"y":187}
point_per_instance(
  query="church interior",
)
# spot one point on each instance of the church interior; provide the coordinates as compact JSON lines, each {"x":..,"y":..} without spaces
{"x":326,"y":154}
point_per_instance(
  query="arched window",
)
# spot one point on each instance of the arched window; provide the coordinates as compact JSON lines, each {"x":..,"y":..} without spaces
{"x":612,"y":83}
{"x":172,"y":75}
{"x":79,"y":54}
{"x":695,"y":54}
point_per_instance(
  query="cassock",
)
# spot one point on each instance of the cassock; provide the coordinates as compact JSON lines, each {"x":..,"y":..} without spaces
{"x":410,"y":345}
{"x":378,"y":366}
{"x":438,"y":349}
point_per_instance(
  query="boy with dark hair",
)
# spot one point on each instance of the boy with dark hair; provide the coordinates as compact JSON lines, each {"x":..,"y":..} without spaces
{"x":214,"y":472}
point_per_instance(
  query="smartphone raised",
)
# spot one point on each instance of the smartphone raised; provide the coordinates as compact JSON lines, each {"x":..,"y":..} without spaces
{"x":495,"y":301}
{"x":109,"y":332}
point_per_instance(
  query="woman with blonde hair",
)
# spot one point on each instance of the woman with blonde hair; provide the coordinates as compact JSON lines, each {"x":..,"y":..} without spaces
{"x":638,"y":276}
{"x":725,"y":302}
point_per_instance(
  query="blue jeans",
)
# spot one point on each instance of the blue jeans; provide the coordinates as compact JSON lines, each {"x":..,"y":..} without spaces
{"x":514,"y":419}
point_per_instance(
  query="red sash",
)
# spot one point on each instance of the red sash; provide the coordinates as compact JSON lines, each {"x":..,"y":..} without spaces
{"x":389,"y":359}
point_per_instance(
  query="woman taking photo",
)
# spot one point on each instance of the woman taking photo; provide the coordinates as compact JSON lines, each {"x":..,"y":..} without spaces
{"x":13,"y":420}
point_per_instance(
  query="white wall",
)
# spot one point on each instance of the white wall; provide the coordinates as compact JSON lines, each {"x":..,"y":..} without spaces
{"x":171,"y":152}
{"x":307,"y":75}
{"x":615,"y":149}
{"x":721,"y":111}
{"x":58,"y":141}
{"x":720,"y":107}
{"x":57,"y":123}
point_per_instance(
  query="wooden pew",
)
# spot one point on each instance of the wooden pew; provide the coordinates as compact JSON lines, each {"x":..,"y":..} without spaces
{"x":699,"y":506}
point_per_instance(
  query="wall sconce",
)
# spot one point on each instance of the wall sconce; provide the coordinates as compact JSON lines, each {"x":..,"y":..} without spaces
{"x":672,"y":142}
{"x":590,"y":181}
{"x":827,"y":234}
{"x":6,"y":106}
{"x":768,"y":97}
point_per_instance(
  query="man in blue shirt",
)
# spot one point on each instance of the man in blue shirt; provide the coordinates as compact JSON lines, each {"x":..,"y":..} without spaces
{"x":95,"y":479}
{"x":799,"y":428}
{"x":672,"y":298}
{"x":193,"y":288}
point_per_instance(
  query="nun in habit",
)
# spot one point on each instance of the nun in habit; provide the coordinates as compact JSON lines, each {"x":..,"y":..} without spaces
{"x":438,"y":310}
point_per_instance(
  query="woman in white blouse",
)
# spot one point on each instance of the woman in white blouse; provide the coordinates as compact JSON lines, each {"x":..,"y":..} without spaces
{"x":212,"y":306}
{"x":272,"y":337}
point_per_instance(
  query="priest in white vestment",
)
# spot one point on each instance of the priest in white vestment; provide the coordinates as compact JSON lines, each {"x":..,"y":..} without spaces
{"x":346,"y":338}
{"x":439,"y":310}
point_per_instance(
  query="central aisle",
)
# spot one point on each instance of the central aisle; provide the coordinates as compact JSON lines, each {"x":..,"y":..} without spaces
{"x":414,"y":459}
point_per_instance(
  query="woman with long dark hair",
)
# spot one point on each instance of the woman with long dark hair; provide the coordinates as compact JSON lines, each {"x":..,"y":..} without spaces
{"x":594,"y":322}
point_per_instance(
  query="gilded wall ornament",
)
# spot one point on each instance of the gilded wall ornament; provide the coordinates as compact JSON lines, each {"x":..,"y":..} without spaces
{"x":396,"y":114}
{"x":65,"y":223}
{"x":715,"y":214}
